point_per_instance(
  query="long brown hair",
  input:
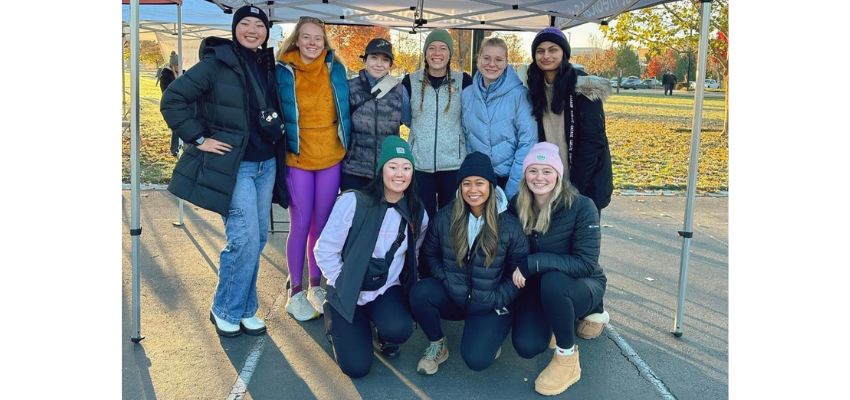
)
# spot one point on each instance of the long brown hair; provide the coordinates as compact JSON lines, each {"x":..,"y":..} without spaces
{"x":489,"y":235}
{"x":533,"y":219}
{"x":291,"y":41}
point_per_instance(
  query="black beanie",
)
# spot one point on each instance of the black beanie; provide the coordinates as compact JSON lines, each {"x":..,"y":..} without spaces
{"x":476,"y":164}
{"x":250,"y":11}
{"x":554,"y":35}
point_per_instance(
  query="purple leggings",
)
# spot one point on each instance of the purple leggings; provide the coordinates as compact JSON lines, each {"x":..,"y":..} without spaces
{"x":311,"y":199}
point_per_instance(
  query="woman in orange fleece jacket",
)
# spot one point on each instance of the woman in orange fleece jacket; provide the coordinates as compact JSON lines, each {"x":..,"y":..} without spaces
{"x":314,"y":99}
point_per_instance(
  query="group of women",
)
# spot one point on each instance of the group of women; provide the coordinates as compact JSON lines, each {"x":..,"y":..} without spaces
{"x":489,"y":213}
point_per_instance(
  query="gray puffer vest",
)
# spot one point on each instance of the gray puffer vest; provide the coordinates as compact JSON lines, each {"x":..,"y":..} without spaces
{"x":372,"y":120}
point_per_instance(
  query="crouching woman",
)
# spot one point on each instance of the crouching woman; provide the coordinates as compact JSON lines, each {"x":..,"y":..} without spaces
{"x":561,"y":281}
{"x":471,"y":249}
{"x":367,"y":253}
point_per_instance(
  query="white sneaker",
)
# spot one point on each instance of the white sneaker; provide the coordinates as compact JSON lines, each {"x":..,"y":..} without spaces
{"x":253,"y":326}
{"x":224,"y":328}
{"x":316,"y":296}
{"x":299,"y":307}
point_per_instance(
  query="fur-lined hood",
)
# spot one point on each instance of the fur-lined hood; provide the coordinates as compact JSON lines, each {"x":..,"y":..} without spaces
{"x":593,"y":87}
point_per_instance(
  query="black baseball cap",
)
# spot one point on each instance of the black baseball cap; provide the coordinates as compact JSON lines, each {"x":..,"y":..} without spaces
{"x":379,"y":46}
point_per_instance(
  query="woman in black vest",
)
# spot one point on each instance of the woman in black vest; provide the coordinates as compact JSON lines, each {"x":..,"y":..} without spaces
{"x":472,"y":247}
{"x":233,"y":164}
{"x":365,"y":254}
{"x":561,"y":281}
{"x":378,"y":106}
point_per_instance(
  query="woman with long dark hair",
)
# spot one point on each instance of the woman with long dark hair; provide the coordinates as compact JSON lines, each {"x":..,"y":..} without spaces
{"x":471,"y":249}
{"x":568,"y":107}
{"x":367,"y":253}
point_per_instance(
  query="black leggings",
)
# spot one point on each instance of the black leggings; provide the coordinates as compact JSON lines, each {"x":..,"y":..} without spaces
{"x":436,"y":188}
{"x":550,"y":302}
{"x":482,"y":334}
{"x":352,"y":343}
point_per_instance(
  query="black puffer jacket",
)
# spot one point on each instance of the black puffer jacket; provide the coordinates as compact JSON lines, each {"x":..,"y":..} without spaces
{"x":571,"y":245}
{"x":476,"y":288}
{"x":211,"y":99}
{"x":590,"y":169}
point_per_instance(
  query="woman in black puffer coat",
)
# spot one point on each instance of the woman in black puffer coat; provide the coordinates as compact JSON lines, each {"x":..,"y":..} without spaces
{"x":232,"y":166}
{"x":471,"y":250}
{"x":561,"y":281}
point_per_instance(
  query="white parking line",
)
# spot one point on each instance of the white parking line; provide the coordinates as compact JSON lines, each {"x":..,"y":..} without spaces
{"x":237,"y":392}
{"x":638,"y":362}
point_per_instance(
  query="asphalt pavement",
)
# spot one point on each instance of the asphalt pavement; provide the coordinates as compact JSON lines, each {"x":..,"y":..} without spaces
{"x":181,"y":356}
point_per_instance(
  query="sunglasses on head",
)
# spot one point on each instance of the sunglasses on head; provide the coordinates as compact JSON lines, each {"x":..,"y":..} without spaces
{"x":312,"y":20}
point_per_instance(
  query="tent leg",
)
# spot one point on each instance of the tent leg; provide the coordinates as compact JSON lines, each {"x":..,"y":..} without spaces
{"x":687,"y":231}
{"x":135,"y":227}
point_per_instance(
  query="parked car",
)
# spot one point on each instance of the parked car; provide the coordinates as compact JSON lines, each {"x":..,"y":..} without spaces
{"x":631,"y":82}
{"x":651,"y":83}
{"x":709,"y":84}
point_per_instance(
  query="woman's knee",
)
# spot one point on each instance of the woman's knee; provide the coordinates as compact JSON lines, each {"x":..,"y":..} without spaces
{"x":477,"y":361}
{"x":526,"y":348}
{"x":356,"y":368}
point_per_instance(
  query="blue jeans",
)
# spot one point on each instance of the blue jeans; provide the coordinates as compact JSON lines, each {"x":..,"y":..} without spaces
{"x":246,"y":227}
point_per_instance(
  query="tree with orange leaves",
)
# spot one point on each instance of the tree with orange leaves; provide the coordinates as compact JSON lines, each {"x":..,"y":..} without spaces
{"x":349,"y":42}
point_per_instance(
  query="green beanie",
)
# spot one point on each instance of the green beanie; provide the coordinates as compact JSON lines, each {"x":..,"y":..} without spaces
{"x":439,"y":35}
{"x":393,"y":147}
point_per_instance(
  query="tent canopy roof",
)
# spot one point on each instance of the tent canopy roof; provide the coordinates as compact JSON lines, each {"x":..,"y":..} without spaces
{"x":476,"y":14}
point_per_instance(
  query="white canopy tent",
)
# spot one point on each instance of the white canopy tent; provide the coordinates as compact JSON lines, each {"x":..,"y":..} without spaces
{"x":421,"y":14}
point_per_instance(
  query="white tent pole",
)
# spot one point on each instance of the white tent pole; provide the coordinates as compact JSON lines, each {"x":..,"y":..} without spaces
{"x":135,"y":228}
{"x":179,"y":41}
{"x":687,"y":231}
{"x":177,"y":74}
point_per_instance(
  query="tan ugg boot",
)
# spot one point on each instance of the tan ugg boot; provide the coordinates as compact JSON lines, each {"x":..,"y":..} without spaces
{"x":561,"y":372}
{"x":590,"y":327}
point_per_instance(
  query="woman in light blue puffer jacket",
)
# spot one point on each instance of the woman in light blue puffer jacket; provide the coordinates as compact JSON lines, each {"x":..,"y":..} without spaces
{"x":496,"y":116}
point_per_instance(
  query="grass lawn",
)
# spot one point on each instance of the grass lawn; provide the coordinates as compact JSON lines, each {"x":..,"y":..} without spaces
{"x":649,"y":134}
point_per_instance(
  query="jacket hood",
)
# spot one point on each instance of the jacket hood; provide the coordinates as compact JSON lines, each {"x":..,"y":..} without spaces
{"x":507,"y":82}
{"x":593,"y":87}
{"x":219,"y":48}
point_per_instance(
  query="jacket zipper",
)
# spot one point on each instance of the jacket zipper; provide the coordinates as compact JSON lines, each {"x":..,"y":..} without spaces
{"x":436,"y":125}
{"x":377,"y":135}
{"x":468,"y":266}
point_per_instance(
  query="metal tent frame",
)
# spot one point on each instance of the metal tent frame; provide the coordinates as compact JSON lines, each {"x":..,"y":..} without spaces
{"x":473,"y":14}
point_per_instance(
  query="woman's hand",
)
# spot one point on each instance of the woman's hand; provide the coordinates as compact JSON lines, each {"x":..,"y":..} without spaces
{"x":519,"y":280}
{"x":211,"y":145}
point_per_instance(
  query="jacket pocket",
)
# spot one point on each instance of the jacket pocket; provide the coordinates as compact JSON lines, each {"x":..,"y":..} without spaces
{"x":227,"y":163}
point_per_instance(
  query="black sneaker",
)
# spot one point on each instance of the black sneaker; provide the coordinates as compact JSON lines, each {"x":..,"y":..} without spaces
{"x":387,"y":349}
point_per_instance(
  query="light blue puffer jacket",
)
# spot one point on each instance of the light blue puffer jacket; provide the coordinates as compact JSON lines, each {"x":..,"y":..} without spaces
{"x":497,"y":121}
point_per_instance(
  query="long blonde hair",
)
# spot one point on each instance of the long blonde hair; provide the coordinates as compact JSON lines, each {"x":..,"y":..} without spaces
{"x":489,"y":241}
{"x":533,"y":219}
{"x":291,"y":41}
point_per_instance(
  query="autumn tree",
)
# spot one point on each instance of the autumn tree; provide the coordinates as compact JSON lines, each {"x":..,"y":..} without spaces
{"x":675,"y":26}
{"x":408,"y":53}
{"x":349,"y":41}
{"x":627,"y":61}
{"x":517,"y":52}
